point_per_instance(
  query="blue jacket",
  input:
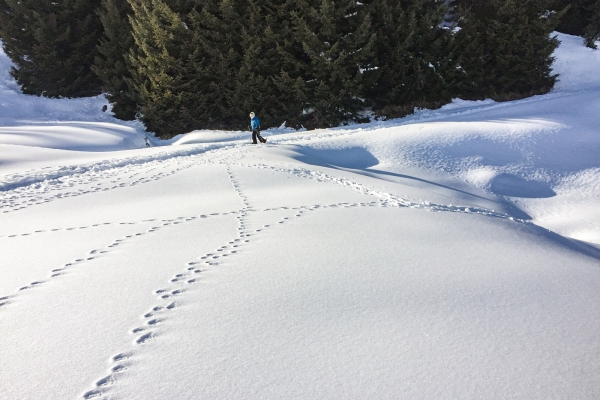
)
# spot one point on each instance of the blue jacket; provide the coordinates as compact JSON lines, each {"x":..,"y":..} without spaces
{"x":254,"y":123}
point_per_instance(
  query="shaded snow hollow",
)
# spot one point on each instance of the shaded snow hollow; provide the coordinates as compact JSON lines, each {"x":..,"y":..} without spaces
{"x":449,"y":254}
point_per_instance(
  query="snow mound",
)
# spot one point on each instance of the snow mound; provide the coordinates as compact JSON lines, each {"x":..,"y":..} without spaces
{"x":81,"y":136}
{"x":208,"y":136}
{"x":67,"y":124}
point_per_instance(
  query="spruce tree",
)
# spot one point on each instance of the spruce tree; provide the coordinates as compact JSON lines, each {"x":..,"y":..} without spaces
{"x":162,"y":68}
{"x":592,"y":29}
{"x":52,"y":44}
{"x":112,"y":63}
{"x":252,"y":63}
{"x":208,"y":65}
{"x":582,"y":18}
{"x":251,"y":86}
{"x":221,"y":32}
{"x":292,"y":65}
{"x":212,"y":70}
{"x":504,"y":49}
{"x":269,"y":78}
{"x":411,"y":55}
{"x":338,"y":42}
{"x":216,"y":30}
{"x":17,"y":41}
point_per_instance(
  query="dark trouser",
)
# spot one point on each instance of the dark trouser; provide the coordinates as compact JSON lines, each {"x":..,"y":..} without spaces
{"x":255,"y":135}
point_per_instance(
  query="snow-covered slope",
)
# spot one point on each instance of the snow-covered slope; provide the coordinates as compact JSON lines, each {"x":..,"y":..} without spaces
{"x":68,"y":124}
{"x":398,"y":259}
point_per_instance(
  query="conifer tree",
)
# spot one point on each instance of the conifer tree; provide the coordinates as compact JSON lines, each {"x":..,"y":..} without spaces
{"x":338,"y":42}
{"x":112,"y":63}
{"x":209,"y":65}
{"x":292,"y":65}
{"x":269,"y":78}
{"x":410,"y":55}
{"x":231,"y":36}
{"x":17,"y":41}
{"x":592,"y":29}
{"x":504,"y":49}
{"x":162,"y":73}
{"x":212,"y":70}
{"x":253,"y":61}
{"x":216,"y":29}
{"x":52,"y":44}
{"x":252,"y":91}
{"x":581,"y":18}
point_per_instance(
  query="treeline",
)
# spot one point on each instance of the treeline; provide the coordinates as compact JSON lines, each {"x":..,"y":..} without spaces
{"x":581,"y":18}
{"x":181,"y":65}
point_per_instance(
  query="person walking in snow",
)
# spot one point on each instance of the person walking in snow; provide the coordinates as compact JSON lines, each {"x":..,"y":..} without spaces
{"x":255,"y":128}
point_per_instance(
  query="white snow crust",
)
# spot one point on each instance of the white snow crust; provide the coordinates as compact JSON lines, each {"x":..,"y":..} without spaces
{"x":451,"y":254}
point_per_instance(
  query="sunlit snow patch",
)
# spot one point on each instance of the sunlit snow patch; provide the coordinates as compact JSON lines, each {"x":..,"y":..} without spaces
{"x":84,"y":136}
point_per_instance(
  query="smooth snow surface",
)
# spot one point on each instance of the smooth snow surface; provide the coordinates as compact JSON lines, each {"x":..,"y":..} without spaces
{"x":69,"y":124}
{"x":452,"y":254}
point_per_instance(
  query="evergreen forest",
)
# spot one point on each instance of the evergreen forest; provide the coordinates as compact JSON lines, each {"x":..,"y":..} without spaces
{"x":181,"y":65}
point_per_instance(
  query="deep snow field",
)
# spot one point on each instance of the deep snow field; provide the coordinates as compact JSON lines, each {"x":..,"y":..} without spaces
{"x":452,"y":254}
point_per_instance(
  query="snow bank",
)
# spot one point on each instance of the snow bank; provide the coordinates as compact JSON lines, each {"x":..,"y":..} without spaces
{"x":68,"y":124}
{"x":207,"y":136}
